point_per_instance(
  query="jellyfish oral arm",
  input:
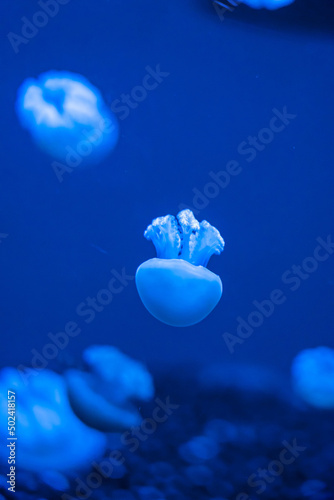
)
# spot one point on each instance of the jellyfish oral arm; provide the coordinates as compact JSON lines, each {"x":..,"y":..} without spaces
{"x":183,"y":237}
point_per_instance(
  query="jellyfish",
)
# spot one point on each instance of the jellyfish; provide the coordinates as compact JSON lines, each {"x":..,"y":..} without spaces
{"x":67,"y":118}
{"x":112,"y":384}
{"x":313,"y":376}
{"x":267,"y":4}
{"x":49,"y":436}
{"x":255,"y":4}
{"x":176,"y":287}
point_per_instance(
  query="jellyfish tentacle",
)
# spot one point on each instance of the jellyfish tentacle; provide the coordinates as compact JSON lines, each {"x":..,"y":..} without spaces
{"x":164,"y":234}
{"x":184,"y":238}
{"x":188,"y":226}
{"x":208,"y":242}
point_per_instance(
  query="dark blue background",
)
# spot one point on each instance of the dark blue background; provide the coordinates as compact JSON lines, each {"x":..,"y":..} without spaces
{"x":225,"y":79}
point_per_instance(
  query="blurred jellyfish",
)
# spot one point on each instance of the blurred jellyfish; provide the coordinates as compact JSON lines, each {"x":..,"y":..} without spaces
{"x":114,"y":381}
{"x":67,"y":117}
{"x":50,"y":437}
{"x":256,"y":4}
{"x":199,"y":449}
{"x":313,"y":376}
{"x":176,"y":287}
{"x":267,"y":4}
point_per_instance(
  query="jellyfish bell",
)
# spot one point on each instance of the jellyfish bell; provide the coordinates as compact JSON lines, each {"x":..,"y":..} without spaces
{"x":255,"y":4}
{"x":67,"y":118}
{"x":313,"y":375}
{"x":176,"y":287}
{"x":268,"y":4}
{"x":177,"y":292}
{"x":49,"y":435}
{"x":114,"y":383}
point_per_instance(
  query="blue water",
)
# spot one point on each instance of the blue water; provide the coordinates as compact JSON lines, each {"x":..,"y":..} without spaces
{"x":223,"y":81}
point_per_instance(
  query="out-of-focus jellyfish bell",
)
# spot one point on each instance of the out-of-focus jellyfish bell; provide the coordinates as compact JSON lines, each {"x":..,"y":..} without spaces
{"x":67,"y":117}
{"x":112,"y":384}
{"x":176,"y":287}
{"x":255,"y":4}
{"x":313,"y":376}
{"x":49,"y":436}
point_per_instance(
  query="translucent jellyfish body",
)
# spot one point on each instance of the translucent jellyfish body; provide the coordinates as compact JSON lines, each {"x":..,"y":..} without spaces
{"x":49,"y":436}
{"x":176,"y":287}
{"x":313,"y":376}
{"x":267,"y":4}
{"x":255,"y":4}
{"x":67,"y":117}
{"x":112,"y":384}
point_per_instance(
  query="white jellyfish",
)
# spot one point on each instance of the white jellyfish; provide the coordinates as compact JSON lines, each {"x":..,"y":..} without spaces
{"x":176,"y":287}
{"x":113,"y":384}
{"x":267,"y":4}
{"x":255,"y":4}
{"x":49,"y":436}
{"x":67,"y":117}
{"x":313,"y":376}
